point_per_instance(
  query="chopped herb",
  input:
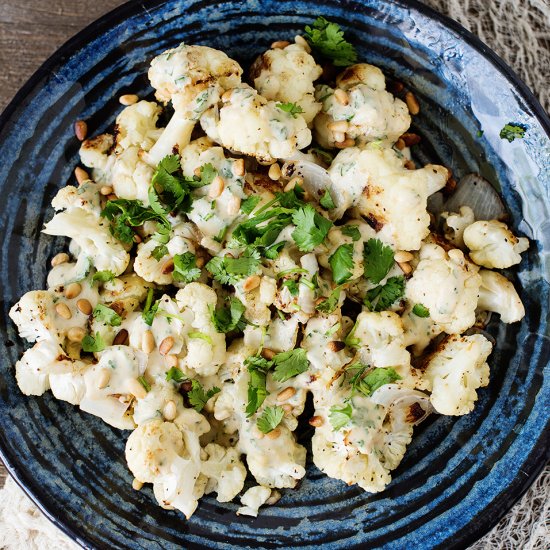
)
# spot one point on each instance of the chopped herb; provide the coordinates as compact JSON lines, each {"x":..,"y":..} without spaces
{"x":176,"y":375}
{"x":107,"y":315}
{"x":479,"y":133}
{"x":207,"y":175}
{"x":292,"y":287}
{"x":230,"y":318}
{"x":326,"y":156}
{"x":144,"y":383}
{"x":159,"y":252}
{"x":311,"y":228}
{"x":375,"y":378}
{"x":229,"y":270}
{"x":351,"y":231}
{"x":93,"y":344}
{"x":289,"y":364}
{"x":270,"y":419}
{"x":378,"y":259}
{"x":339,"y":416}
{"x":291,"y":108}
{"x":326,"y":201}
{"x":272,"y":252}
{"x":150,"y":309}
{"x":328,"y":305}
{"x":169,"y":187}
{"x":382,"y":297}
{"x":200,"y":336}
{"x":341,"y":263}
{"x":198,"y":397}
{"x":421,"y":311}
{"x":185,"y":268}
{"x":103,"y":276}
{"x":512,"y":131}
{"x":248,"y":205}
{"x":327,"y":39}
{"x":257,"y":392}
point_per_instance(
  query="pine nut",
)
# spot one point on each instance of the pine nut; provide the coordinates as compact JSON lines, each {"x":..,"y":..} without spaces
{"x":301,"y":41}
{"x":226,"y":96}
{"x":339,"y":137}
{"x":136,"y":238}
{"x":286,"y":394}
{"x":171,"y":360}
{"x":233,"y":205}
{"x":410,"y":165}
{"x":274,"y":497}
{"x":268,"y":354}
{"x":147,"y":342}
{"x":168,"y":267}
{"x":117,"y":307}
{"x":76,"y":334}
{"x":238,"y":167}
{"x":402,"y":256}
{"x":72,"y":290}
{"x":112,"y":197}
{"x":297,"y":180}
{"x":199,"y":262}
{"x":339,"y":126}
{"x":60,"y":258}
{"x":336,"y":346}
{"x":166,"y":345}
{"x":316,"y":421}
{"x":121,"y":338}
{"x":80,"y":130}
{"x":341,"y":96}
{"x":274,"y":434}
{"x":412,"y":103}
{"x":410,"y":139}
{"x":280,"y":44}
{"x":84,"y":306}
{"x":106,"y":190}
{"x":274,"y":171}
{"x":128,"y":99}
{"x":251,"y":283}
{"x":287,"y":407}
{"x":170,"y":411}
{"x":136,"y":389}
{"x":63,"y":310}
{"x":216,"y":187}
{"x":348,"y":142}
{"x":405,"y":267}
{"x":81,"y":175}
{"x":259,"y":434}
{"x":137,"y":485}
{"x":400,"y":144}
{"x":103,"y":379}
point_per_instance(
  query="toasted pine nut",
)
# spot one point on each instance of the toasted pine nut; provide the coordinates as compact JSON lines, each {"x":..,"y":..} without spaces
{"x":316,"y":421}
{"x":121,"y":338}
{"x":136,"y":238}
{"x":400,"y":144}
{"x":117,"y":307}
{"x":147,"y":341}
{"x":128,"y":99}
{"x":410,"y":165}
{"x":72,"y":290}
{"x":238,"y":167}
{"x":226,"y":96}
{"x":338,"y":126}
{"x":280,"y":44}
{"x":412,"y":103}
{"x":274,"y":434}
{"x":136,"y":389}
{"x":274,"y":171}
{"x":76,"y":334}
{"x":259,"y":434}
{"x":251,"y":283}
{"x":62,"y":309}
{"x":112,"y":197}
{"x":81,"y":175}
{"x":199,"y":262}
{"x":171,"y":360}
{"x":402,"y":256}
{"x":341,"y":96}
{"x":410,"y":139}
{"x":296,"y":180}
{"x":60,"y":258}
{"x":137,"y":484}
{"x":103,"y":379}
{"x":233,"y":205}
{"x":274,"y":497}
{"x":348,"y":142}
{"x":301,"y":41}
{"x":286,"y":394}
{"x":336,"y":346}
{"x":268,"y":354}
{"x":84,"y":306}
{"x":166,"y":345}
{"x":287,"y":407}
{"x":170,"y":411}
{"x":106,"y":190}
{"x":216,"y":187}
{"x":168,"y":267}
{"x":339,"y":137}
{"x":80,"y":130}
{"x":405,"y":267}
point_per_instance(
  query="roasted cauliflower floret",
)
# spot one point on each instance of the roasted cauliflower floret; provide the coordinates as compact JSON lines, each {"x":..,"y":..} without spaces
{"x":455,"y":371}
{"x":225,"y":471}
{"x":498,"y":294}
{"x":136,"y":126}
{"x":287,"y":75}
{"x":448,"y":285}
{"x":248,"y":123}
{"x":95,"y":153}
{"x":193,"y":78}
{"x":359,"y":108}
{"x":493,"y":245}
{"x":455,"y":224}
{"x":253,"y":499}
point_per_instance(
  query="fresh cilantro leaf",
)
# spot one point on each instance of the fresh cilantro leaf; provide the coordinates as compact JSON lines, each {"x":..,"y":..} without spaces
{"x":375,"y":378}
{"x":200,"y":336}
{"x":169,"y":186}
{"x":272,"y":252}
{"x":382,"y":297}
{"x":159,"y":252}
{"x":149,"y":309}
{"x":144,"y":383}
{"x":175,"y":375}
{"x":378,"y":259}
{"x":291,"y":108}
{"x":289,"y":364}
{"x":207,"y":175}
{"x":326,"y":201}
{"x":327,"y":39}
{"x":93,"y":344}
{"x":292,"y":286}
{"x":198,"y":397}
{"x":185,"y":268}
{"x":107,"y":315}
{"x":162,"y":235}
{"x":479,"y":133}
{"x":311,"y":228}
{"x":257,"y":391}
{"x":339,"y":416}
{"x":248,"y":205}
{"x":341,"y":263}
{"x":351,"y":231}
{"x":227,"y":319}
{"x":328,"y":305}
{"x":270,"y":419}
{"x":512,"y":131}
{"x":229,"y":270}
{"x":421,"y":311}
{"x":103,"y":276}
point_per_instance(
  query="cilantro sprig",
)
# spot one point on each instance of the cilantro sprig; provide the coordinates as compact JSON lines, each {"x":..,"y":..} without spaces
{"x":340,"y":415}
{"x":93,"y":344}
{"x":228,"y":319}
{"x":378,"y":260}
{"x":289,"y":364}
{"x":367,"y":380}
{"x":198,"y":397}
{"x":384,"y":296}
{"x":107,"y":315}
{"x":341,"y":263}
{"x":102,"y":276}
{"x":327,"y":40}
{"x":292,"y":109}
{"x":270,"y":418}
{"x":228,"y":270}
{"x":185,"y":268}
{"x":311,"y":228}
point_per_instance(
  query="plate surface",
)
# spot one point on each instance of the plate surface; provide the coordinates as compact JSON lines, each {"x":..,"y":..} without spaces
{"x":459,"y":476}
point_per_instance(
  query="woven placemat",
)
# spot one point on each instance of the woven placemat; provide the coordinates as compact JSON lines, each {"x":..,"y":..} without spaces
{"x":519,"y":31}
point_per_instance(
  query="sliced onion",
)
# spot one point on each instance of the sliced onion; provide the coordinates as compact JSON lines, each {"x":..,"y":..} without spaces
{"x":400,"y":399}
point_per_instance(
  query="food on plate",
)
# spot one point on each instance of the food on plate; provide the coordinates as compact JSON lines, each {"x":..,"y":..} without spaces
{"x":266,"y":259}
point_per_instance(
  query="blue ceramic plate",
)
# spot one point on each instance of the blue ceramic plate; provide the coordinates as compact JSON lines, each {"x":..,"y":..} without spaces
{"x":459,"y":475}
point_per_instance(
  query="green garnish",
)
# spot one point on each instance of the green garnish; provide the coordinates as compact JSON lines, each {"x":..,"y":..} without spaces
{"x":292,"y":286}
{"x":200,"y":336}
{"x":229,"y":270}
{"x":270,"y":419}
{"x":198,"y":397}
{"x":421,"y":311}
{"x":257,"y":392}
{"x":144,"y":383}
{"x":159,"y":252}
{"x":185,"y":268}
{"x":339,"y":416}
{"x":311,"y":228}
{"x":382,"y":297}
{"x":107,"y":315}
{"x":327,"y":39}
{"x":375,"y":378}
{"x":230,"y":318}
{"x":150,"y":309}
{"x":103,"y":276}
{"x":512,"y":131}
{"x":289,"y":364}
{"x":351,"y":231}
{"x":93,"y":344}
{"x":248,"y":205}
{"x":291,"y":108}
{"x":326,"y":201}
{"x":341,"y":263}
{"x":176,"y":375}
{"x":328,"y":305}
{"x":378,"y":260}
